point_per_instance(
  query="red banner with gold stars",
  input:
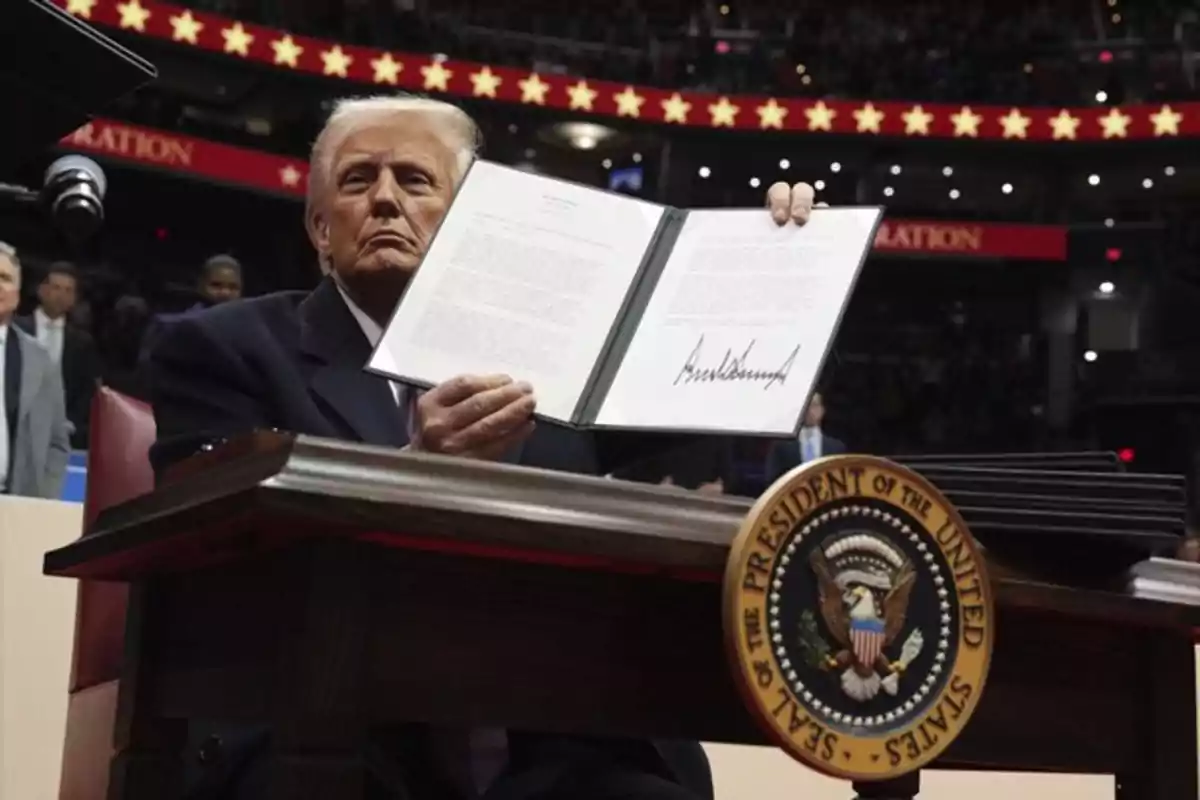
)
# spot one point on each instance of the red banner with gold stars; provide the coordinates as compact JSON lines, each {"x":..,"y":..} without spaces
{"x":423,"y":73}
{"x":238,"y":166}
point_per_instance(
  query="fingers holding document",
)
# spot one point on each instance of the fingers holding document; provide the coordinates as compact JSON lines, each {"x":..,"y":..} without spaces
{"x":791,"y":202}
{"x":475,"y":416}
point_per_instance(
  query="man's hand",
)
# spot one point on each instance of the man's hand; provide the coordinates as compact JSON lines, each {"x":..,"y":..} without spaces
{"x":792,"y":203}
{"x":474,"y":416}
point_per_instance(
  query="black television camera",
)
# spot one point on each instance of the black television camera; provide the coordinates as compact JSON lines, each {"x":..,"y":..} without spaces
{"x":54,"y":71}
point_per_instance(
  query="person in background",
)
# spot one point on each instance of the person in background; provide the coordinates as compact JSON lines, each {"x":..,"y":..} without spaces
{"x":811,"y":444}
{"x":220,"y":281}
{"x":121,"y":339}
{"x":69,"y":346}
{"x":34,"y":432}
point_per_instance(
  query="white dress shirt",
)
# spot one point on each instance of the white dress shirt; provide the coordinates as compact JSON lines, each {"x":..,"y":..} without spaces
{"x":4,"y":455}
{"x":49,"y":333}
{"x":489,"y":746}
{"x":810,"y":444}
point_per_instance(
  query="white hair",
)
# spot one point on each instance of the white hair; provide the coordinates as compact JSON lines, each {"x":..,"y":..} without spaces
{"x":452,"y":125}
{"x":10,"y":252}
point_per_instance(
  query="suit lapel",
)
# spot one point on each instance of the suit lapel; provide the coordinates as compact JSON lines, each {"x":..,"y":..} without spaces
{"x":10,"y":402}
{"x":31,"y":376}
{"x":336,"y":350}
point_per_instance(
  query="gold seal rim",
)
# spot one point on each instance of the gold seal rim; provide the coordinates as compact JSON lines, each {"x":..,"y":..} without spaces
{"x":740,"y":662}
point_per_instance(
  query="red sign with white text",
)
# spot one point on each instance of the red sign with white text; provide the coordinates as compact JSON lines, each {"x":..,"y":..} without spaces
{"x":972,"y":239}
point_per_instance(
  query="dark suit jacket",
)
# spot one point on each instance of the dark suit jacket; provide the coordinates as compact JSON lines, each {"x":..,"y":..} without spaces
{"x":293,"y":361}
{"x":702,"y":461}
{"x":785,"y":454}
{"x":80,"y":374}
{"x":160,"y":322}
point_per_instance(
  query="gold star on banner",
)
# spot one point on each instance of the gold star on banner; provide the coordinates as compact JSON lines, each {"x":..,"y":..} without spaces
{"x":133,"y":15}
{"x":723,"y":112}
{"x":484,"y":83}
{"x":966,"y":122}
{"x":1115,"y":124}
{"x":675,"y":109}
{"x":386,"y":68}
{"x":1064,"y":125}
{"x":868,"y":118}
{"x":185,"y":27}
{"x":286,"y":51}
{"x":533,"y":89}
{"x":820,"y":117}
{"x":1015,"y":124}
{"x":336,"y":61}
{"x":1166,"y":121}
{"x":771,"y":114}
{"x":237,"y":40}
{"x":437,"y":76}
{"x":629,"y":103}
{"x":582,"y":96}
{"x":916,"y":121}
{"x":81,"y":8}
{"x":289,"y":176}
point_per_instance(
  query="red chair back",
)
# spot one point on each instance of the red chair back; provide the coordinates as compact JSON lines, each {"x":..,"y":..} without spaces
{"x":118,"y":470}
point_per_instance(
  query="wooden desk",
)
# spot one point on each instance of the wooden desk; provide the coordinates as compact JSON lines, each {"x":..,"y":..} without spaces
{"x":324,"y":587}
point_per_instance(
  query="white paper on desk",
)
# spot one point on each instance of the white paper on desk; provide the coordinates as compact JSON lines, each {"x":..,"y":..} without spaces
{"x":525,"y":276}
{"x":739,"y":300}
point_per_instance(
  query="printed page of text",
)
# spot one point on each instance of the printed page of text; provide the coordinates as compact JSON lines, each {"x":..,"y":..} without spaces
{"x":525,"y":276}
{"x":739,"y":322}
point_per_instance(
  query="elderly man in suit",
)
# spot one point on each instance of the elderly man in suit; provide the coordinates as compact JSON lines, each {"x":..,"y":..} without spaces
{"x":34,"y":433}
{"x":383,"y":173}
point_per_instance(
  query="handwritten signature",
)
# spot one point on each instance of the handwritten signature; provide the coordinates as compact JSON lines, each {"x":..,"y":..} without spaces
{"x":734,"y":368}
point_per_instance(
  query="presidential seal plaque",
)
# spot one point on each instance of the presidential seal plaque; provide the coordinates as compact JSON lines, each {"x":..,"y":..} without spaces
{"x":858,"y":617}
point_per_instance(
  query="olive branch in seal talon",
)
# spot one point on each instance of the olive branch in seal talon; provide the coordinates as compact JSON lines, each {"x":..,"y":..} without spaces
{"x":816,"y":649}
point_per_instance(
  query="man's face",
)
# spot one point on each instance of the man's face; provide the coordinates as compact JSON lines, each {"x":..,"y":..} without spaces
{"x":56,"y":295}
{"x":10,"y":288}
{"x":815,"y":411}
{"x":390,"y":186}
{"x":221,"y":284}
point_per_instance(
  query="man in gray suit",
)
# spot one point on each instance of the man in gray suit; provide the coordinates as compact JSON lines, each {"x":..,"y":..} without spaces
{"x":34,"y":433}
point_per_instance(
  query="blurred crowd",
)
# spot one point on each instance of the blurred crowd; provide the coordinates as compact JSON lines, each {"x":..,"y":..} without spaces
{"x":1027,"y":51}
{"x":106,"y":328}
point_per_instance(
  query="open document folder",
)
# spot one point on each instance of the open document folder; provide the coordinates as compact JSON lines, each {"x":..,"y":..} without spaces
{"x":623,"y":313}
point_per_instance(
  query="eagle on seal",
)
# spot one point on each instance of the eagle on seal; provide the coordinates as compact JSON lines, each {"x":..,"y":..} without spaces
{"x":848,"y":591}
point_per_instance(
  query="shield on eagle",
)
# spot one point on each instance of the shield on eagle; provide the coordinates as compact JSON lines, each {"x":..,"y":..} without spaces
{"x":867,"y":639}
